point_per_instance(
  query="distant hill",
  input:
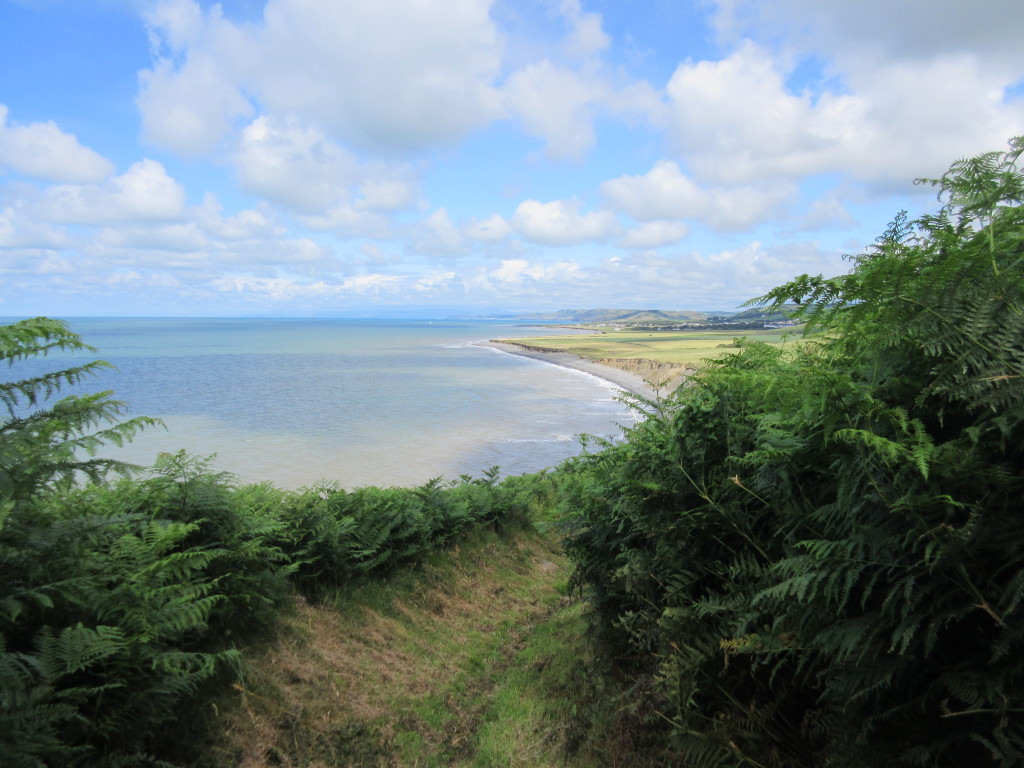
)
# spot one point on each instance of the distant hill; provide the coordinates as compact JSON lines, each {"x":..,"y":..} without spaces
{"x":658,"y":316}
{"x":755,"y":314}
{"x":619,"y":316}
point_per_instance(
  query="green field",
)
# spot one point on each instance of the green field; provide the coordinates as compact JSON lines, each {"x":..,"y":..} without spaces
{"x":681,"y":347}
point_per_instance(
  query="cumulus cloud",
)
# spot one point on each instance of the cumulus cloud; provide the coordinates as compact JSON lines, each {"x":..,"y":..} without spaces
{"x":244,"y":225}
{"x":388,"y":187}
{"x":143,"y":192}
{"x":185,"y":236}
{"x":586,"y":36}
{"x":297,"y":166}
{"x":695,"y":280}
{"x":556,"y":104}
{"x":654,"y":234}
{"x":44,"y":151}
{"x":291,"y":288}
{"x":20,"y":231}
{"x":491,"y":229}
{"x":294,"y":165}
{"x":434,"y":281}
{"x":518,"y":271}
{"x":736,"y":121}
{"x":561,"y":223}
{"x":193,"y":94}
{"x":883,"y":112}
{"x":388,"y":75}
{"x":666,"y":193}
{"x":827,"y":212}
{"x":346,"y":221}
{"x":436,"y":235}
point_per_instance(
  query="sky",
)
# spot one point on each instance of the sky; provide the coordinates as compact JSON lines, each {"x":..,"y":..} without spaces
{"x":438,"y":157}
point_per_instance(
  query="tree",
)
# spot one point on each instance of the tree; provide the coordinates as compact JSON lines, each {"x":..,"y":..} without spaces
{"x":43,"y":442}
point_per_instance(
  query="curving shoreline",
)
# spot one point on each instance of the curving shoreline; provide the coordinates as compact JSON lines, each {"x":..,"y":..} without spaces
{"x":630,"y":382}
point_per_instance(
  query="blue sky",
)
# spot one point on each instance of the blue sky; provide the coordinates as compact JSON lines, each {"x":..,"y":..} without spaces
{"x":313,"y":157}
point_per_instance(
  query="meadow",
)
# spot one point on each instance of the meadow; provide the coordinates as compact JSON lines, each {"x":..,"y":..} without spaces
{"x":686,"y":348}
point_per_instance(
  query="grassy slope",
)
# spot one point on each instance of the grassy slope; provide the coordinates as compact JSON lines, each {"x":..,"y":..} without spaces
{"x":682,"y":347}
{"x":477,"y":658}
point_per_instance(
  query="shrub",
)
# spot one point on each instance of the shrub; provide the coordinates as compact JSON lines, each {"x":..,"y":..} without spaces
{"x":816,"y":552}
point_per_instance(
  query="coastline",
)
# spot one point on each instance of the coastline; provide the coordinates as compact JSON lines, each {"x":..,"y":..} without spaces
{"x":630,"y":382}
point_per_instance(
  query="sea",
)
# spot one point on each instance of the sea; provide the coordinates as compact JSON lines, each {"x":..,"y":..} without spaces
{"x":342,"y":402}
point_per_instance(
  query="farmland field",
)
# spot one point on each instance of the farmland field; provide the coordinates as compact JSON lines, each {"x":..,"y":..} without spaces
{"x":687,"y":348}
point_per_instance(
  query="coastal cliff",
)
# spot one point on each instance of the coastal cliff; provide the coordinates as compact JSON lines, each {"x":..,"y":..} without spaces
{"x":666,"y":376}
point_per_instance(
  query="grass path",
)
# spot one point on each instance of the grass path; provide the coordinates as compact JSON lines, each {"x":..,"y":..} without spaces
{"x":477,"y":658}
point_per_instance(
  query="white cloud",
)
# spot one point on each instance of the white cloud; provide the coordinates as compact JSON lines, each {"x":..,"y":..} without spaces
{"x":143,"y":192}
{"x":370,"y":283}
{"x":695,"y":280}
{"x":170,"y":237}
{"x":491,"y":229}
{"x":18,"y":231}
{"x":387,"y":75}
{"x":556,"y":104}
{"x":881,"y":112}
{"x":520,"y":270}
{"x":827,"y":212}
{"x":435,"y":281}
{"x":654,"y":234}
{"x":754,"y":269}
{"x":388,"y":188}
{"x":134,"y":280}
{"x":586,"y":36}
{"x":193,"y":95}
{"x":666,"y":193}
{"x":437,"y":235}
{"x":736,"y":121}
{"x":298,"y":167}
{"x":348,"y":221}
{"x":44,"y":151}
{"x":560,"y":223}
{"x":919,"y":116}
{"x":190,"y":110}
{"x":176,"y":23}
{"x":244,"y":225}
{"x":294,"y":165}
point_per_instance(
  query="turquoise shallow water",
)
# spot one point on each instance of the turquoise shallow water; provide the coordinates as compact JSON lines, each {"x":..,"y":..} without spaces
{"x":356,"y":402}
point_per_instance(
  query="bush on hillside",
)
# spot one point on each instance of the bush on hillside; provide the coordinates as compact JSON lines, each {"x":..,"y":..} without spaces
{"x":816,"y":552}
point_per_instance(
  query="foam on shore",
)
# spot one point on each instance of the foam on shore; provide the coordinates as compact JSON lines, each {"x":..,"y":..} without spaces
{"x":630,"y":382}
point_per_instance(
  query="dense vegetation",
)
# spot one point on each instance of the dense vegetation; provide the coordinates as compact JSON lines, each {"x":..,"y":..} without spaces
{"x":815,"y":555}
{"x":811,"y":556}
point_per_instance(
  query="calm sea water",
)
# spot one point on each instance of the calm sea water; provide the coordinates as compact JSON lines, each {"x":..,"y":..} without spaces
{"x":356,"y":402}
